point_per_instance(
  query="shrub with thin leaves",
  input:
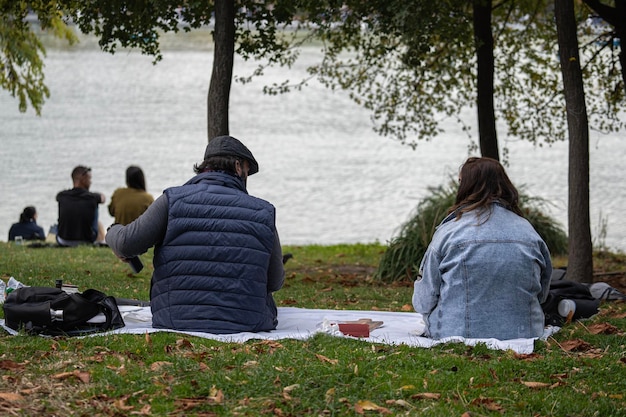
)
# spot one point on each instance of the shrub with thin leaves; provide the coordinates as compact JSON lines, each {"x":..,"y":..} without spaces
{"x":402,"y":258}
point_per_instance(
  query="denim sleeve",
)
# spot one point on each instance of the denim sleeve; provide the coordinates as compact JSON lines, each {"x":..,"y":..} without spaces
{"x":139,"y":236}
{"x":276,"y":270}
{"x":426,"y":288}
{"x":546,"y":274}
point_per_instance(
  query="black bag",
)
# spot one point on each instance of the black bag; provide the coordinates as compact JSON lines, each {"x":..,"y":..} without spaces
{"x":561,"y":289}
{"x":52,"y":311}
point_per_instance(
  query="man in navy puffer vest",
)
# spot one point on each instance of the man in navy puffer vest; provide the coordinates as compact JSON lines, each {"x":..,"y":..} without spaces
{"x":217,"y":256}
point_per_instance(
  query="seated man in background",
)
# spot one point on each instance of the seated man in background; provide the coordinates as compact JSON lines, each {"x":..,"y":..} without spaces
{"x":78,"y":212}
{"x":217,"y":256}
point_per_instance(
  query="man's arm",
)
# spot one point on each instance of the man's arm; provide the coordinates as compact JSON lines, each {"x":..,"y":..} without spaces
{"x":146,"y":231}
{"x":276,"y":270}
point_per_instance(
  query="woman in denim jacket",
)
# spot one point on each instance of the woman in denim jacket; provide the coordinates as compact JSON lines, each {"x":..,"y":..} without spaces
{"x":486,"y":270}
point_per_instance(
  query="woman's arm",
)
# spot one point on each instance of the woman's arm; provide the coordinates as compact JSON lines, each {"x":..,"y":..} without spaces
{"x":426,"y":288}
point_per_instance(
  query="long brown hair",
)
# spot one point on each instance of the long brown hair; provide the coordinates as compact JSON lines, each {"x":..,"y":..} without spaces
{"x":483,"y":181}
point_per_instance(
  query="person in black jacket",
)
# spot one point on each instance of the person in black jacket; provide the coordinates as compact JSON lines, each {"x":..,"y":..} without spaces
{"x":27,"y":227}
{"x":78,"y":211}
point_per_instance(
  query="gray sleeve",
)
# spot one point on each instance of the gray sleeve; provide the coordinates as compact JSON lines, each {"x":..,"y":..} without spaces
{"x":139,"y":236}
{"x":276,"y":270}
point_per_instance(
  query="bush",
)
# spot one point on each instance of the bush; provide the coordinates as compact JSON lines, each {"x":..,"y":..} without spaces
{"x":402,"y":258}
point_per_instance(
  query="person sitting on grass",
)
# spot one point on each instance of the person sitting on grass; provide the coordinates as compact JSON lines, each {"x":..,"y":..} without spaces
{"x":78,"y":212}
{"x":27,"y":227}
{"x":486,"y":270}
{"x":217,"y":255}
{"x":130,"y":202}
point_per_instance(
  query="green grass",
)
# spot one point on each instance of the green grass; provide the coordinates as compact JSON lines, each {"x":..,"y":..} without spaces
{"x":172,"y":374}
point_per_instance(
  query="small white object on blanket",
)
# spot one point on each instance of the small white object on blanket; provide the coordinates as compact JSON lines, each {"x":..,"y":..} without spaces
{"x":301,"y":323}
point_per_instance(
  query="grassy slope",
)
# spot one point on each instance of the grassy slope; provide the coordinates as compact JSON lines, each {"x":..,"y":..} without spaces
{"x":581,"y":371}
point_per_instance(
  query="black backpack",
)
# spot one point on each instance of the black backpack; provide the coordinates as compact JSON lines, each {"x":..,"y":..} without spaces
{"x":54,"y":312}
{"x":561,"y":289}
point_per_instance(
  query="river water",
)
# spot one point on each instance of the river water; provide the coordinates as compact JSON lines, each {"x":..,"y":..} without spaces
{"x":331,"y":178}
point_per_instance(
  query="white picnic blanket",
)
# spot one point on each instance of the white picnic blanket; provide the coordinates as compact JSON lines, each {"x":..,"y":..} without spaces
{"x":301,"y":323}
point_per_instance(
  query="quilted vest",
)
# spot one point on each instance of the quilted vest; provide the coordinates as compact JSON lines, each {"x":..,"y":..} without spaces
{"x":211,"y":269}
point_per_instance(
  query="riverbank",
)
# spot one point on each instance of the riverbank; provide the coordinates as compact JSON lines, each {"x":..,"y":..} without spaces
{"x":578,"y":371}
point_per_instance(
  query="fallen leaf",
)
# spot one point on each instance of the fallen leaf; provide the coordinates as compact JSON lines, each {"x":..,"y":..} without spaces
{"x":216,"y":396}
{"x":250,"y":364}
{"x":488,"y":403}
{"x":157,"y":366}
{"x":82,"y":376}
{"x":426,"y":396}
{"x":28,"y":391}
{"x":325,"y":359}
{"x":527,"y":356}
{"x":401,"y":403}
{"x":364,"y":405}
{"x":121,"y":404}
{"x":560,"y":376}
{"x":9,"y":365}
{"x":145,"y":411}
{"x":535,"y":385}
{"x":603,"y":328}
{"x":183,"y":343}
{"x":291,"y":387}
{"x":406,"y":307}
{"x":575,"y":345}
{"x":330,"y":395}
{"x":11,"y":397}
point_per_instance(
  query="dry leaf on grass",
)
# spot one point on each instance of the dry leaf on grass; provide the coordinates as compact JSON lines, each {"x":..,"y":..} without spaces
{"x":488,"y":403}
{"x":157,"y":366}
{"x":216,"y":396}
{"x":145,"y":411}
{"x":426,"y":396}
{"x":603,"y":328}
{"x":11,"y":397}
{"x":9,"y":365}
{"x":575,"y":345}
{"x":81,"y":375}
{"x":325,"y":359}
{"x":535,"y":385}
{"x":329,"y":396}
{"x":527,"y":356}
{"x":401,"y":403}
{"x":364,"y":405}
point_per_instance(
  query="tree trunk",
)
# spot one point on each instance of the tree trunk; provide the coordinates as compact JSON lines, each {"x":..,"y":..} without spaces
{"x":580,"y":256}
{"x":483,"y":38}
{"x":221,"y":77}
